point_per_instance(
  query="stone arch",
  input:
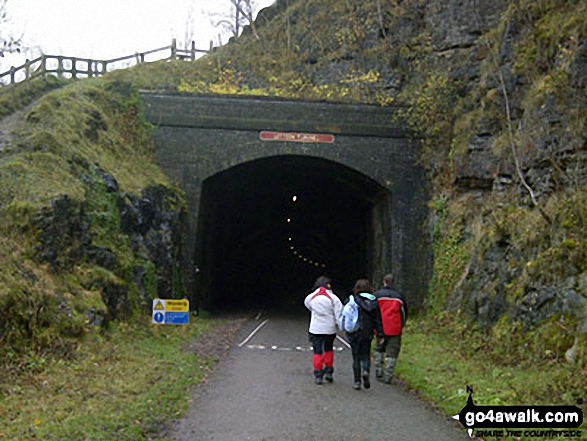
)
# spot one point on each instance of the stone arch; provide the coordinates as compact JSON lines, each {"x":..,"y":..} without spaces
{"x":201,"y":141}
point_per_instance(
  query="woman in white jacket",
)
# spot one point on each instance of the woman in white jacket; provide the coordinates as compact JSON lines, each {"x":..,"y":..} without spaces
{"x":325,"y":308}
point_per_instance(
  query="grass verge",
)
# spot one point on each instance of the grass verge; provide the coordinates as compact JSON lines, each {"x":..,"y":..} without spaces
{"x":439,"y":363}
{"x":125,"y":385}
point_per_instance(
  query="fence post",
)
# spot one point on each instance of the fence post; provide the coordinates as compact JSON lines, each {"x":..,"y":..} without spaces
{"x":27,"y":69}
{"x":43,"y":66}
{"x":74,"y":68}
{"x":193,"y":54}
{"x":59,"y":67}
{"x":12,"y":72}
{"x":173,"y":49}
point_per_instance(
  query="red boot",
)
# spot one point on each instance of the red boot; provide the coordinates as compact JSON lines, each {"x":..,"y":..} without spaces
{"x":329,"y":365}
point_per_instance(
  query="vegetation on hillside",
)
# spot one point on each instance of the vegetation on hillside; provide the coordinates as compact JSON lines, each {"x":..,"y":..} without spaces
{"x":72,"y":138}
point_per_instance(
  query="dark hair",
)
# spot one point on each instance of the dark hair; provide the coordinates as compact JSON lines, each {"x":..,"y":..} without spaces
{"x":389,"y":280}
{"x":362,"y":285}
{"x":322,"y":281}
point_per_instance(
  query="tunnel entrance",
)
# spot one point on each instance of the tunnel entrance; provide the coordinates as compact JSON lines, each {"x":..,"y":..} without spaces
{"x":362,"y":207}
{"x":269,"y":227}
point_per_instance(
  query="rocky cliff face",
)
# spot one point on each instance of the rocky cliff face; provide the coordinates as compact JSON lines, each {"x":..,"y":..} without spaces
{"x":521,"y":160}
{"x":497,"y":90}
{"x":127,"y":247}
{"x":90,"y":228}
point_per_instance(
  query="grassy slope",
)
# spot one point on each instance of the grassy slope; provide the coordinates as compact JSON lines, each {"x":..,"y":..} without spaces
{"x":67,"y":134}
{"x":124,"y":385}
{"x":62,"y":377}
{"x":441,"y":356}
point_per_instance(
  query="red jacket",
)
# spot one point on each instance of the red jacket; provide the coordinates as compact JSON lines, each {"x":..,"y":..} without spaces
{"x":393,"y":311}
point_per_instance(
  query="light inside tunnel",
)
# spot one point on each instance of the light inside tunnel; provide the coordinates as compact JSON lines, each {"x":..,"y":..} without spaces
{"x":249,"y":258}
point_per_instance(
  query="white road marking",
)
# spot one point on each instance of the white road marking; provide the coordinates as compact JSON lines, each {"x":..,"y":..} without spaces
{"x":346,"y":343}
{"x":297,"y":348}
{"x":251,"y":335}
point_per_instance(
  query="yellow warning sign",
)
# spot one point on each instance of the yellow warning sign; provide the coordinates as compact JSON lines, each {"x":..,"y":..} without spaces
{"x":177,"y":305}
{"x":162,"y":305}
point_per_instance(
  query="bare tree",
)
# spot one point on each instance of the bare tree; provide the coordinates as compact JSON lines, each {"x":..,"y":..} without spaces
{"x":8,"y":43}
{"x":242,"y":14}
{"x":189,"y":32}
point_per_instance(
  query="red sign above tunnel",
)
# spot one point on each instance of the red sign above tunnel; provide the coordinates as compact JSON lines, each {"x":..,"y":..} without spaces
{"x":297,"y":137}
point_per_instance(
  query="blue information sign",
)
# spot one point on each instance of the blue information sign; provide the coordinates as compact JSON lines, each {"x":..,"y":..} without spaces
{"x":176,"y":318}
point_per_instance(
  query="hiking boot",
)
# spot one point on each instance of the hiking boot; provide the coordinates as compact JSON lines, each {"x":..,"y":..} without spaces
{"x":378,"y":366}
{"x":366,"y":381}
{"x":389,"y":369}
{"x":318,"y":375}
{"x":328,"y":377}
{"x":357,"y":385}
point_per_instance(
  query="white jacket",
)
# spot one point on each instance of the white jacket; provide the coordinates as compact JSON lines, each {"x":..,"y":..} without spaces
{"x":326,"y":309}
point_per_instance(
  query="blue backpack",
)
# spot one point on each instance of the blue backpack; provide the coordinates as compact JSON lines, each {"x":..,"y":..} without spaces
{"x":350,"y":316}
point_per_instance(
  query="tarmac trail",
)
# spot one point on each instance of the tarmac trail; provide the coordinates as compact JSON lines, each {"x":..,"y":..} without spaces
{"x":264,"y":390}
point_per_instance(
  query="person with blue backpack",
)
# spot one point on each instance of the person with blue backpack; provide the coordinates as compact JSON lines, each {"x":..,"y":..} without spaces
{"x":325,"y":308}
{"x":360,"y":320}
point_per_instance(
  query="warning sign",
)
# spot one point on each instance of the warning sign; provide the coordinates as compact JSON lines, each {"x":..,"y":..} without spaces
{"x":171,"y":312}
{"x":177,"y":305}
{"x":159,"y":305}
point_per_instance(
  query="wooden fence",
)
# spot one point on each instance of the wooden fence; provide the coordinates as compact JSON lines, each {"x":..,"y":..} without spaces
{"x":74,"y":67}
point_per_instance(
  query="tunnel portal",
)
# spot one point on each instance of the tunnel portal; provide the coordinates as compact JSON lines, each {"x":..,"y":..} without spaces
{"x":271,"y":226}
{"x":360,"y":208}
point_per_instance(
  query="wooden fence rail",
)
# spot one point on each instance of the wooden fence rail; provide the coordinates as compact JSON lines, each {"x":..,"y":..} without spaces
{"x":74,"y":67}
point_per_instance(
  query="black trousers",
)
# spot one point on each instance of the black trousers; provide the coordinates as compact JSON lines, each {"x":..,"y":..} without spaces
{"x":361,"y":350}
{"x":322,"y":342}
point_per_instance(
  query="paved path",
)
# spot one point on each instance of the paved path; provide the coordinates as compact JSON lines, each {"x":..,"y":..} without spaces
{"x":7,"y":125}
{"x":264,"y":390}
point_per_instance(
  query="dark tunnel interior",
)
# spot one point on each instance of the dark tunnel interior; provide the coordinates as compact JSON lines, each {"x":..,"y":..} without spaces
{"x":268,"y":228}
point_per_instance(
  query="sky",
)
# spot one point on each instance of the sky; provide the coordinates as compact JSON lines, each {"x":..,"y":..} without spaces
{"x":107,"y":29}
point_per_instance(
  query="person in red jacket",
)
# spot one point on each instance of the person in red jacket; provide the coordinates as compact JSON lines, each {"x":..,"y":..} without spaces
{"x":394,"y":312}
